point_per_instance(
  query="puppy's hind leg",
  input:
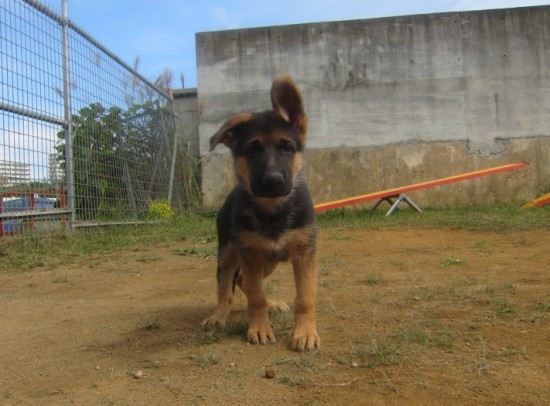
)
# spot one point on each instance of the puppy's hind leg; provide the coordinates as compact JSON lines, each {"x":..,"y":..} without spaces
{"x":272,"y":305}
{"x":278,"y":306}
{"x":227,"y":275}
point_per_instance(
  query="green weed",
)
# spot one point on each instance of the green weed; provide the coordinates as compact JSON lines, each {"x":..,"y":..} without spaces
{"x":151,"y":324}
{"x":440,"y":338}
{"x":150,"y":364}
{"x":372,"y":279}
{"x":452,"y":261}
{"x":339,"y":235}
{"x":198,"y":252}
{"x":376,"y":354}
{"x":503,"y":307}
{"x":293,"y":382}
{"x":208,"y":360}
{"x":149,"y":258}
{"x":236,"y":327}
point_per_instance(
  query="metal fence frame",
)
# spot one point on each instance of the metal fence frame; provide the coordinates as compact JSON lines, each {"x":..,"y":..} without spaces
{"x":127,"y":120}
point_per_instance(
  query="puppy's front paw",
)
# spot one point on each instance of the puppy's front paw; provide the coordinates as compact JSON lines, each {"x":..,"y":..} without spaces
{"x":213,"y":322}
{"x":261,"y":333}
{"x":305,"y":338}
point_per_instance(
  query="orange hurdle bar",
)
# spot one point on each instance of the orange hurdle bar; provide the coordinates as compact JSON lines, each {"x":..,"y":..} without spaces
{"x":539,"y":202}
{"x":423,"y":185}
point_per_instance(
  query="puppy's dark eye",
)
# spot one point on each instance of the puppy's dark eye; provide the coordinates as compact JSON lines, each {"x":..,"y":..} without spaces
{"x":253,"y":148}
{"x":286,"y":148}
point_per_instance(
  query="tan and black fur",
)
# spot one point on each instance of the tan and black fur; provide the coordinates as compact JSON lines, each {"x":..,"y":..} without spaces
{"x":268,"y":217}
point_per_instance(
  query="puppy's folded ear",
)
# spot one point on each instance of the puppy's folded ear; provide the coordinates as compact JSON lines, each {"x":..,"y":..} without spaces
{"x":226,"y":134}
{"x":287,"y":103}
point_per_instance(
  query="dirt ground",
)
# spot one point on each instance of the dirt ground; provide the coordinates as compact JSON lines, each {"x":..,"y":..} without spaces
{"x":418,"y":316}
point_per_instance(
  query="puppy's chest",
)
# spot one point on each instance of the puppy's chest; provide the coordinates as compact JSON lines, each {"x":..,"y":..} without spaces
{"x":277,"y":246}
{"x":268,"y":232}
{"x":274,"y":237}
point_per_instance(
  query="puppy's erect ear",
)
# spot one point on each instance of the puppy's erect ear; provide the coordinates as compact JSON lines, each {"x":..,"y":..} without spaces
{"x":287,"y":103}
{"x":226,"y":134}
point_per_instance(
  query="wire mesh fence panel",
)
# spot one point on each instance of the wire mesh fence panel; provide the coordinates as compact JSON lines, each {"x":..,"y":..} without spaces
{"x":85,"y":139}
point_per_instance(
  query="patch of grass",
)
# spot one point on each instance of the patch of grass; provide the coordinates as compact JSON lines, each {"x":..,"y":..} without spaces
{"x":440,"y":338}
{"x":270,"y":286}
{"x":503,"y":307}
{"x":375,"y":354}
{"x":149,"y":258}
{"x":23,"y":253}
{"x":206,"y":337}
{"x":198,"y":252}
{"x":511,"y":351}
{"x":339,"y":235}
{"x":293,"y":382}
{"x":324,"y":270}
{"x":327,"y":264}
{"x":372,"y":279}
{"x":236,"y":327}
{"x":208,"y":360}
{"x":282,"y":361}
{"x":463,"y":289}
{"x":151,"y":323}
{"x":150,"y":364}
{"x":27,"y":252}
{"x":466,"y":281}
{"x":483,"y":290}
{"x":452,"y":261}
{"x":282,"y":321}
{"x":540,"y":313}
{"x":523,"y":242}
{"x":502,"y":219}
{"x":480,"y":244}
{"x":422,"y":293}
{"x":510,"y":287}
{"x":60,"y":279}
{"x":205,"y":239}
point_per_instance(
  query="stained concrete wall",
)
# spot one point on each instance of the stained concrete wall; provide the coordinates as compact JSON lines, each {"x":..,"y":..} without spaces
{"x":395,"y":101}
{"x":184,"y":104}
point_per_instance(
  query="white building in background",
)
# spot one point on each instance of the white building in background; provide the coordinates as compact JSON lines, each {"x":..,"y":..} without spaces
{"x":14,"y":173}
{"x":55,"y":173}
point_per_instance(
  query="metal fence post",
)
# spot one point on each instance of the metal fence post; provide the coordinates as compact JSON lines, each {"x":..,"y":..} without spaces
{"x":69,"y":167}
{"x":174,"y":150}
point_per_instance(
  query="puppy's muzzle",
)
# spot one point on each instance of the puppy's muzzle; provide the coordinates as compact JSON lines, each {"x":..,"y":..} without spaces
{"x":272,"y":184}
{"x":273,"y":180}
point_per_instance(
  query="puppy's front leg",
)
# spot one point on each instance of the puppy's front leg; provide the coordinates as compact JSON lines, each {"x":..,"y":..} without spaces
{"x":228,"y":266}
{"x":260,"y":330}
{"x":305,"y":335}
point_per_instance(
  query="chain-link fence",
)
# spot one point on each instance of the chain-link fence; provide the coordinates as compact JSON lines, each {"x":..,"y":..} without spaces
{"x":85,"y":138}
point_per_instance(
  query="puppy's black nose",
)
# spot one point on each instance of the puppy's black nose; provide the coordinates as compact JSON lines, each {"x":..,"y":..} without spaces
{"x":273,"y":179}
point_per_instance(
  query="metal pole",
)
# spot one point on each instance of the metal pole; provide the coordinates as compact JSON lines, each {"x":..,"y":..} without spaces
{"x":173,"y":163}
{"x":68,"y":119}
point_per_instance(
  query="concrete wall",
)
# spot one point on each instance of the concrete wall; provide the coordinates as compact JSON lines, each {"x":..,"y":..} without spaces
{"x":187,"y":119}
{"x":394,"y":101}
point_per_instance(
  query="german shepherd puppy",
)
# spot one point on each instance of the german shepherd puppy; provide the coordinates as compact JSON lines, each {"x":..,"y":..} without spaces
{"x":268,"y":217}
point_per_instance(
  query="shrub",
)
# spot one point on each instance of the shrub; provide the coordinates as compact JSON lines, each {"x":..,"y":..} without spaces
{"x":159,"y":211}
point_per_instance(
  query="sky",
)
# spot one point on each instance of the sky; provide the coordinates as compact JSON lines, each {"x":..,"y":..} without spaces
{"x":162,"y":32}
